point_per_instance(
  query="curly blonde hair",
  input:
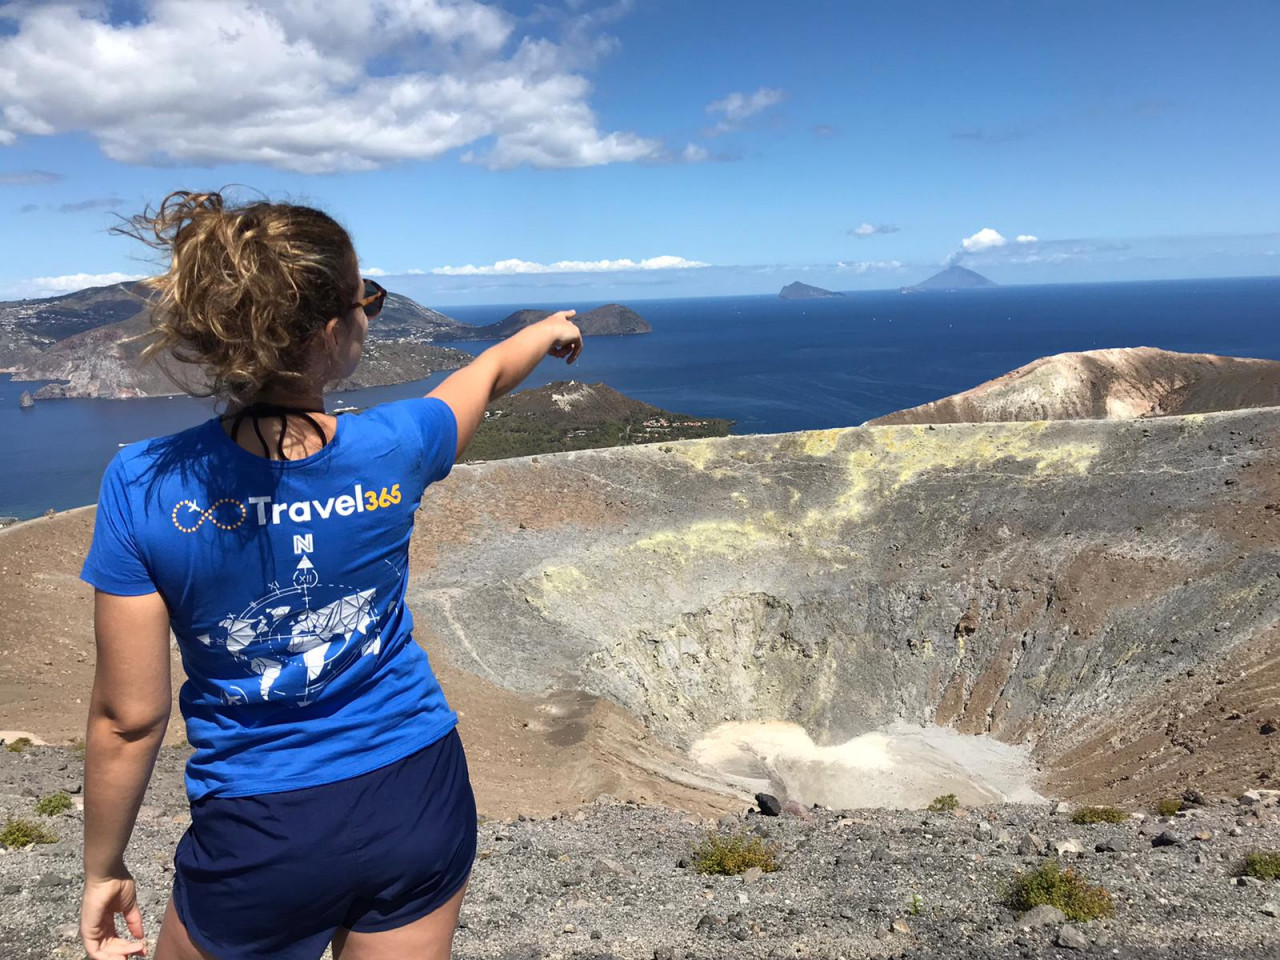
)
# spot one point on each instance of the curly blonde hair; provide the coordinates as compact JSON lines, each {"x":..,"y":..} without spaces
{"x":247,"y":289}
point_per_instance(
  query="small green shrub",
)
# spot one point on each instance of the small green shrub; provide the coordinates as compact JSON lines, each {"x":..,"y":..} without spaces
{"x":54,"y":804}
{"x":1099,"y":815}
{"x":943,"y":804}
{"x":78,"y":746}
{"x":917,"y":904}
{"x":732,"y":854}
{"x":1065,"y":889}
{"x":1169,"y":806}
{"x":18,"y":744}
{"x":19,"y":833}
{"x":1263,"y":864}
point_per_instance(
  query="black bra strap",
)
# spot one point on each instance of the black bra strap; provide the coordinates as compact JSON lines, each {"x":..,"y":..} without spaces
{"x":256,"y":411}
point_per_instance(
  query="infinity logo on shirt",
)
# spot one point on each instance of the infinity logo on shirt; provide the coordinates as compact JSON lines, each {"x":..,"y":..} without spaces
{"x":189,"y":517}
{"x":230,"y":513}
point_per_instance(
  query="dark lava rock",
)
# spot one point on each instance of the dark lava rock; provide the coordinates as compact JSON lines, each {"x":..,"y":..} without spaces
{"x":768,"y":804}
{"x":1268,"y":728}
{"x":1116,"y":845}
{"x":1032,"y":846}
{"x":1167,"y":839}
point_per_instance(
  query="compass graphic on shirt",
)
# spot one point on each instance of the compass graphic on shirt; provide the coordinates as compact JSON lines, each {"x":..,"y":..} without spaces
{"x":296,"y":639}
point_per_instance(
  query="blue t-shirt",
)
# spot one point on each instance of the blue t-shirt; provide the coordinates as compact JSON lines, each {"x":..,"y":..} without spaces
{"x":285,"y":585}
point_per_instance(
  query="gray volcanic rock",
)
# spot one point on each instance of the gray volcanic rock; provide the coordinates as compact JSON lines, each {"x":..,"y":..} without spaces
{"x":952,"y":278}
{"x":612,"y":319}
{"x":1119,"y":383}
{"x":1116,"y":582}
{"x":605,"y":882}
{"x":804,"y":291}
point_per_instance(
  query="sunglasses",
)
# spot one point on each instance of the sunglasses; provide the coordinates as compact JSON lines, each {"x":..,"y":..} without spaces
{"x":374,"y":297}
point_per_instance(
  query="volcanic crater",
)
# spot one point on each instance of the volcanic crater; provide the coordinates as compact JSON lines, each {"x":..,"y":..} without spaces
{"x":873,"y":616}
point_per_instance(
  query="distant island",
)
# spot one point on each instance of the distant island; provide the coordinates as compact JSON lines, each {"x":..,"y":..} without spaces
{"x":568,"y":415}
{"x":804,"y":291}
{"x":952,"y":278}
{"x":610,"y":320}
{"x":88,"y":344}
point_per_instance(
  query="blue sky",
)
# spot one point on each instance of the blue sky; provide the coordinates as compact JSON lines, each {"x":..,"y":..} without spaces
{"x":500,"y":153}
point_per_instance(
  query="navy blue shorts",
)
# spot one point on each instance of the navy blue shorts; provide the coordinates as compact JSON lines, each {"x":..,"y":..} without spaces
{"x":276,"y":875}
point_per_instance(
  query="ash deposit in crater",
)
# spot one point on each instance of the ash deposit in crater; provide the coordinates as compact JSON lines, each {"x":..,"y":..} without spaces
{"x":900,"y":767}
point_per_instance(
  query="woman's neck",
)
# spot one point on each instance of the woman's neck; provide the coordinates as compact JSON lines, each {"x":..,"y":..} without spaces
{"x":265,"y":427}
{"x":308,"y":400}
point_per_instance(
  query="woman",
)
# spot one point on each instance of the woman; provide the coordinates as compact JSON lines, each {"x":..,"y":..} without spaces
{"x":330,"y":801}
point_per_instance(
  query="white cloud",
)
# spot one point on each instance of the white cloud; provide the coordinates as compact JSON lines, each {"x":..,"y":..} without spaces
{"x":513,"y":267}
{"x":865,"y":229}
{"x":870,"y":266}
{"x":38,"y":287}
{"x":988,"y":239}
{"x":737,"y":107}
{"x":379,"y":272}
{"x":302,"y":85}
{"x":984,"y":239}
{"x":694,"y":153}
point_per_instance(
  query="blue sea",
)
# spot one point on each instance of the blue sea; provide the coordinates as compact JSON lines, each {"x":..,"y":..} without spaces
{"x":770,"y":365}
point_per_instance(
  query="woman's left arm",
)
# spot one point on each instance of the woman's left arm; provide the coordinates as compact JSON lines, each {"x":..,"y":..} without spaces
{"x":128,"y":715}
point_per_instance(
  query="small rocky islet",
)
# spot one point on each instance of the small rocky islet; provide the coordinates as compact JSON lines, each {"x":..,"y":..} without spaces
{"x":612,"y":878}
{"x":805,"y":291}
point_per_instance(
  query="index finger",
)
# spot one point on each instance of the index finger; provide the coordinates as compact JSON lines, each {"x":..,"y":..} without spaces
{"x":133,"y":920}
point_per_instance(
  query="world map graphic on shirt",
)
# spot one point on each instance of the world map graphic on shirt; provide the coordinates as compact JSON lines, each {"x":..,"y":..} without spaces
{"x":294,"y":640}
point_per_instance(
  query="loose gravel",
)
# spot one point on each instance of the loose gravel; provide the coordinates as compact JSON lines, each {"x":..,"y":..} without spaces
{"x":610,"y":880}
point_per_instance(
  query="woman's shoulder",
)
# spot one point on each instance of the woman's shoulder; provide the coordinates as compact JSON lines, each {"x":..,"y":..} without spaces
{"x":401,"y":414}
{"x":189,"y":441}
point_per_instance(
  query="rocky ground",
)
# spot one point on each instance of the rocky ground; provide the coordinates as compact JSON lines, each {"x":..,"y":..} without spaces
{"x":609,"y":881}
